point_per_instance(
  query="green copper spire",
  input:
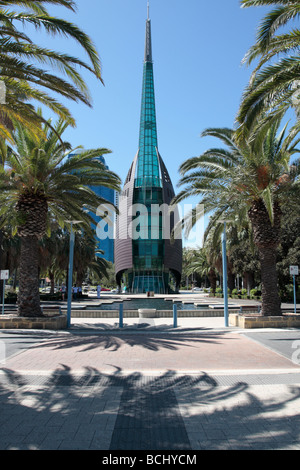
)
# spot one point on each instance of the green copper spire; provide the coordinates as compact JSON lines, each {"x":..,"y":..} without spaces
{"x":148,"y":174}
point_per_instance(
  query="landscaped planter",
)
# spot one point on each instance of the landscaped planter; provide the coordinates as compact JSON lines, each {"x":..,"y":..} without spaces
{"x":51,"y":322}
{"x":287,"y":320}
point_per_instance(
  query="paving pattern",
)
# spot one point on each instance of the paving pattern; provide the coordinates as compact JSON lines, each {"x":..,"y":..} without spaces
{"x":137,"y":412}
{"x":181,"y":392}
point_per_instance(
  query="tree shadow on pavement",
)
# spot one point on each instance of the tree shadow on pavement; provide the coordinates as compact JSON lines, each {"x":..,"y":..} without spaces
{"x":115,"y":411}
{"x":113,"y":341}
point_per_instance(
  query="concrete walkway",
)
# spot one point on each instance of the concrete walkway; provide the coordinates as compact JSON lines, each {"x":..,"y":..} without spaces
{"x":151,"y":387}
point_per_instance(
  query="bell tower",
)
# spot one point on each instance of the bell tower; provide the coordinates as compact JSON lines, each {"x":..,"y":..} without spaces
{"x":151,"y":259}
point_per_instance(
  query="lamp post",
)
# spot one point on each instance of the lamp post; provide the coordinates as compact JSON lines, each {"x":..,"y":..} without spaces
{"x":224,"y":263}
{"x":294,"y":271}
{"x":70,"y":275}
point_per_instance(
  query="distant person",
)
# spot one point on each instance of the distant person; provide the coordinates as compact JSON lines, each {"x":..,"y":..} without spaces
{"x":75,"y":292}
{"x":63,"y":291}
{"x":98,"y":291}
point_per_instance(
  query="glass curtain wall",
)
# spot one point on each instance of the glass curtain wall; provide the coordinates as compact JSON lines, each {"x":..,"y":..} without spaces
{"x":148,"y":251}
{"x":148,"y":173}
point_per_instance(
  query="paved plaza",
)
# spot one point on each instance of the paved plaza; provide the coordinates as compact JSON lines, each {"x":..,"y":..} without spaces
{"x":150,"y":387}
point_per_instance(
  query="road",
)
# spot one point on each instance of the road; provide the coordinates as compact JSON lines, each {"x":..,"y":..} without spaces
{"x":13,"y":342}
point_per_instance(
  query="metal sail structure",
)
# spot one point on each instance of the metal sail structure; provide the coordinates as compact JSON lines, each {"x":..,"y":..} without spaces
{"x":146,"y":257}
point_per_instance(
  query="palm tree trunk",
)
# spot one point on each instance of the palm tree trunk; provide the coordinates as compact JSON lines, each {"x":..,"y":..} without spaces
{"x":249,"y":281}
{"x":52,"y":281}
{"x":230,"y":277}
{"x":267,"y":238}
{"x":15,"y":276}
{"x":213,"y":280}
{"x":271,"y":303}
{"x":29,"y":296}
{"x":79,"y":278}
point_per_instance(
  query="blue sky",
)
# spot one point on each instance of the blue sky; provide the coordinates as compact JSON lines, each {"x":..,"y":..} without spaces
{"x":197,"y":51}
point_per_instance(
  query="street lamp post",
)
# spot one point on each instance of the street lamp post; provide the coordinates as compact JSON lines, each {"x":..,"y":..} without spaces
{"x":224,"y":262}
{"x":70,"y":275}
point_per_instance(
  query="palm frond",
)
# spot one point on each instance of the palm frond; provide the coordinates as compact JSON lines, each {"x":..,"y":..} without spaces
{"x":19,"y":55}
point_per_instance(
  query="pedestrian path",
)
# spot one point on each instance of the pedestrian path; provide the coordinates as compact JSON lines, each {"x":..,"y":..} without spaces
{"x":201,"y":386}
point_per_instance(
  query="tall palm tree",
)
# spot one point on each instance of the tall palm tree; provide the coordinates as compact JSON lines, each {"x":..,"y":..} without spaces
{"x":256,"y":176}
{"x":24,"y":65}
{"x":241,"y":251}
{"x":273,"y":87}
{"x":42,"y":180}
{"x":52,"y":256}
{"x":88,"y":259}
{"x":204,"y":264}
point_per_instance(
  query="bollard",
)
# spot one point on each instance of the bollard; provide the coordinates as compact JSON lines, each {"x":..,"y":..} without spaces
{"x":121,"y":315}
{"x":174,"y":316}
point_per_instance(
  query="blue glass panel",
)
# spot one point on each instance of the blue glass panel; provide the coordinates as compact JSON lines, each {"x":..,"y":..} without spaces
{"x":148,"y":173}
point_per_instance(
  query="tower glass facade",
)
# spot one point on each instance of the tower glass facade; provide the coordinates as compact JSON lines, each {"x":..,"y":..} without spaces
{"x":148,"y":174}
{"x":148,"y":252}
{"x":147,"y":261}
{"x":106,"y":245}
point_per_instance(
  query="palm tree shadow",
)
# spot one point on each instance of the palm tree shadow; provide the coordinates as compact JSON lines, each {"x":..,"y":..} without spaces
{"x":165,"y":412}
{"x":152,"y":341}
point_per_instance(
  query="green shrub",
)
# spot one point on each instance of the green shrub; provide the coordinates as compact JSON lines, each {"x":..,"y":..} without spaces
{"x":10,"y":298}
{"x":48,"y":296}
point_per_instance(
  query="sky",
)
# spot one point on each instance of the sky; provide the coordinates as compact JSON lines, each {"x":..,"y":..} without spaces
{"x":197,"y":47}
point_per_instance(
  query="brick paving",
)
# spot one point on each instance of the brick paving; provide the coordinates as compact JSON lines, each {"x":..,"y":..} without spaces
{"x":185,"y":390}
